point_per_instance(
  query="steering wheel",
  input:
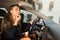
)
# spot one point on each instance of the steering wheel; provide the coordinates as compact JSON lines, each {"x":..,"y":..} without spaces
{"x":36,"y":30}
{"x":41,"y":34}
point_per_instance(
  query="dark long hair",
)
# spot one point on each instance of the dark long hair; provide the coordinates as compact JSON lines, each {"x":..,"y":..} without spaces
{"x":7,"y":21}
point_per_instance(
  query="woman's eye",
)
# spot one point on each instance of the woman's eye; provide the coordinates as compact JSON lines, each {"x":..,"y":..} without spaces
{"x":16,"y":9}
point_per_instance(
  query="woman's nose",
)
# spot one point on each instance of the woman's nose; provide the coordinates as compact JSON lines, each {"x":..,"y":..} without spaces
{"x":18,"y":11}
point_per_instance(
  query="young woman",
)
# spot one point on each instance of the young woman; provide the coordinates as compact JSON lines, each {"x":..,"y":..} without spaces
{"x":10,"y":26}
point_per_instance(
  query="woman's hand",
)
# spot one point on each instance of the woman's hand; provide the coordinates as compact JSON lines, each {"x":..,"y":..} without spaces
{"x":17,"y":19}
{"x":32,"y":21}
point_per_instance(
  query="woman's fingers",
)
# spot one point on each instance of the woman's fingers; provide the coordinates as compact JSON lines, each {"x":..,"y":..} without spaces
{"x":32,"y":21}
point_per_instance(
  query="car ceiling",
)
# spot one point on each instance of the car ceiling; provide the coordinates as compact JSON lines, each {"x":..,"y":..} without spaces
{"x":7,"y":3}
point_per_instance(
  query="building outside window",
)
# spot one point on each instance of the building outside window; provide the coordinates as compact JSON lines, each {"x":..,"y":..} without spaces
{"x":51,"y":6}
{"x":50,"y":17}
{"x":59,"y":19}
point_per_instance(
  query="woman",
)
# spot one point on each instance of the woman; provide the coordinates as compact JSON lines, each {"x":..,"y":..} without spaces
{"x":10,"y":26}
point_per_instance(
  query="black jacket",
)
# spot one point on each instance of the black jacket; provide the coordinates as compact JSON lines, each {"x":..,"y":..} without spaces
{"x":10,"y":34}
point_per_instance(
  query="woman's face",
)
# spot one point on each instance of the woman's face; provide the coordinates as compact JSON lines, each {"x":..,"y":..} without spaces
{"x":15,"y":11}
